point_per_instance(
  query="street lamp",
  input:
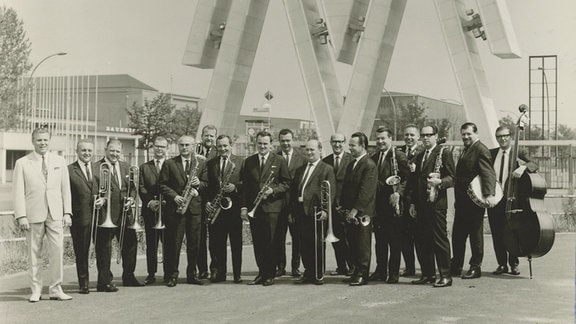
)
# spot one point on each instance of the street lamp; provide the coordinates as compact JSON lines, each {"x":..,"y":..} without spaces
{"x":30,"y":79}
{"x":394,"y":108}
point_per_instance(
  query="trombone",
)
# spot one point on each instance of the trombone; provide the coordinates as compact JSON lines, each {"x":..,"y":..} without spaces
{"x":158,"y":227}
{"x":104,"y":190}
{"x":132,"y":181}
{"x":325,"y":205}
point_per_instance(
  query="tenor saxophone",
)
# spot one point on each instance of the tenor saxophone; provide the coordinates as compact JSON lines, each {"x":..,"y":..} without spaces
{"x":432,"y":191}
{"x":220,"y":202}
{"x":394,"y":181}
{"x":189,"y":191}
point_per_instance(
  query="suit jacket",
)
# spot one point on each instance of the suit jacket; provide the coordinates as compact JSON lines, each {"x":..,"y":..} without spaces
{"x":523,"y":159}
{"x":253,"y":182}
{"x":312,"y":194}
{"x":211,"y":154}
{"x":472,"y":162}
{"x":118,"y":194}
{"x":212,"y":176}
{"x":173,"y":181}
{"x":359,"y":186}
{"x":35,"y":197}
{"x":148,"y":185}
{"x":296,"y":161}
{"x":340,"y":173}
{"x":418,"y":185}
{"x":83,"y":192}
{"x":412,"y":156}
{"x":386,"y":170}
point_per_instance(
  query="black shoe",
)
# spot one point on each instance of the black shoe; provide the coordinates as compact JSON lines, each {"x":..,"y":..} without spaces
{"x":443,"y":282}
{"x":408,"y":273}
{"x":392,"y":280}
{"x":268,"y":282}
{"x":377,"y":276}
{"x":203,"y":275}
{"x":172,"y":282}
{"x":296,"y":272}
{"x":303,"y":280}
{"x":423,"y":280}
{"x":473,"y":273}
{"x":257,"y":281}
{"x":237,"y":279}
{"x":149,"y":280}
{"x":351,"y":271}
{"x":514,"y":270}
{"x":107,"y":288}
{"x":218,"y":279}
{"x":194,"y":281}
{"x":132,"y":282}
{"x":280,"y":272}
{"x":84,"y":290}
{"x":500,"y":270}
{"x":358,"y":281}
{"x":339,"y":272}
{"x":318,"y":282}
{"x":349,"y":279}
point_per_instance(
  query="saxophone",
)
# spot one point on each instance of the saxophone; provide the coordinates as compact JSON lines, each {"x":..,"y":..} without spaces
{"x":432,"y":191}
{"x":394,"y":181}
{"x":220,"y":202}
{"x":189,"y":191}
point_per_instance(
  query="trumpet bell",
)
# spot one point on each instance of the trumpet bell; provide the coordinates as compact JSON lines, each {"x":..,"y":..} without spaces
{"x":136,"y":226}
{"x":159,"y":226}
{"x":331,"y":238}
{"x":393,"y":180}
{"x":435,"y":175}
{"x":364,"y":220}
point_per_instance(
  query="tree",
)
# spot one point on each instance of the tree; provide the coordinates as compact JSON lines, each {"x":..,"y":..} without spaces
{"x":411,"y":113}
{"x":151,"y":120}
{"x":185,"y":121}
{"x":14,"y":64}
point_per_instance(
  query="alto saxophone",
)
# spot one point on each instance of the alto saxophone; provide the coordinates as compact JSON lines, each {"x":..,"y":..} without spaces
{"x":220,"y":202}
{"x":432,"y":191}
{"x":394,"y":181}
{"x":189,"y":191}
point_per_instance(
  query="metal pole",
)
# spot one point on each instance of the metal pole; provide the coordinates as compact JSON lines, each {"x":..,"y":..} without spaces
{"x":30,"y":81}
{"x":394,"y":111}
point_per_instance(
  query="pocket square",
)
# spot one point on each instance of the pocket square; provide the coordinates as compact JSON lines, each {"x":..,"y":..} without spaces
{"x":56,"y":168}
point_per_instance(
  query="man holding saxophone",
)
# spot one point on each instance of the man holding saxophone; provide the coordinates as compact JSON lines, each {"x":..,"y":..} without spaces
{"x":223,"y":210}
{"x":180,"y":187}
{"x":428,"y":202}
{"x":393,"y":172}
{"x":311,"y":201}
{"x":265,"y":180}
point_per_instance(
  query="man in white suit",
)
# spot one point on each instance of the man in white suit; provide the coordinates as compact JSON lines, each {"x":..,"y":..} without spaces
{"x":42,"y":207}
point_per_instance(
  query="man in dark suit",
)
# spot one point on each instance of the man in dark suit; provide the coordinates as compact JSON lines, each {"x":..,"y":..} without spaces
{"x":468,"y":217}
{"x":207,"y":149}
{"x":339,"y":160}
{"x":307,"y":200}
{"x":294,"y":160}
{"x":357,"y":200}
{"x":175,"y":175}
{"x":223,"y":176}
{"x":434,"y":172}
{"x":264,"y":174}
{"x":387,"y":220}
{"x":151,"y":204}
{"x":500,"y":158}
{"x":120,"y":199}
{"x":83,"y":187}
{"x":408,"y":223}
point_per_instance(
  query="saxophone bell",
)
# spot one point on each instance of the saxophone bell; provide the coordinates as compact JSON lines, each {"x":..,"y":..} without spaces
{"x":393,"y":180}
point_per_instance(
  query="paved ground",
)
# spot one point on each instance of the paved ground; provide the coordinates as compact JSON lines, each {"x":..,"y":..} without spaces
{"x":548,"y":298}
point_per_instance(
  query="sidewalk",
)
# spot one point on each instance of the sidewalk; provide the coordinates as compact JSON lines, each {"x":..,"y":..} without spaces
{"x":548,"y":298}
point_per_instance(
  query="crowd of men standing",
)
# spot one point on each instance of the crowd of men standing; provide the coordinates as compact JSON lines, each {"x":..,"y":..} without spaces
{"x":205,"y":193}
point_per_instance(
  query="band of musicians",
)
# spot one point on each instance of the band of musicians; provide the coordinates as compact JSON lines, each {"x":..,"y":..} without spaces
{"x":203,"y":195}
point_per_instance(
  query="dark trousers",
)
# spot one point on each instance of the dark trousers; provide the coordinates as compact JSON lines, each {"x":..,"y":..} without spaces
{"x":387,"y":235}
{"x":408,"y":229}
{"x":264,"y":227}
{"x":432,"y":241}
{"x":341,"y":250}
{"x":81,"y":241}
{"x":360,"y":240}
{"x":202,"y":262}
{"x":153,"y":239}
{"x":176,"y":226}
{"x":104,"y":238}
{"x":228,"y":224}
{"x":283,"y":227}
{"x":311,"y":233}
{"x":468,"y":221}
{"x":497,"y":219}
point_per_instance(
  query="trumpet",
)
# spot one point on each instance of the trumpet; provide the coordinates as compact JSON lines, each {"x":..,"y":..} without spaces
{"x":220,"y":202}
{"x":356,"y":220}
{"x":189,"y":191}
{"x":132,"y":180}
{"x":104,"y":191}
{"x":394,"y":181}
{"x":260,"y":195}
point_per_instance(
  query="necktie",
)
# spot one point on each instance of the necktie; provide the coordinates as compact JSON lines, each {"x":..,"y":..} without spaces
{"x":158,"y":166}
{"x":380,"y":159}
{"x":115,"y":174}
{"x":88,"y":173}
{"x":336,"y":164}
{"x":44,"y":168}
{"x":304,"y":179}
{"x":187,"y":167}
{"x":502,"y":162}
{"x":262,"y":161}
{"x":223,"y":168}
{"x":288,"y":159}
{"x":425,"y":156}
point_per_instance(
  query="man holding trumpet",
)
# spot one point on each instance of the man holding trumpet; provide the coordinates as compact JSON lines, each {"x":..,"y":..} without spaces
{"x":311,"y":201}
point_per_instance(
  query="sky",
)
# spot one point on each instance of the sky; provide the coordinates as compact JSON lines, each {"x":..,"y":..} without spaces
{"x":146,"y":39}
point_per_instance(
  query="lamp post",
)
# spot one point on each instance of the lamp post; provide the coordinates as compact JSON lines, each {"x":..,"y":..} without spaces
{"x":394,"y":111}
{"x":30,"y":79}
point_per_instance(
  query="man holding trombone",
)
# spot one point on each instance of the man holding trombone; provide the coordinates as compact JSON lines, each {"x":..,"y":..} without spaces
{"x":151,"y":207}
{"x":113,"y":220}
{"x":312,"y":194}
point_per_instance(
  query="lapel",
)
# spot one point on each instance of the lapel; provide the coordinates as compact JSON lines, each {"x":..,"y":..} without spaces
{"x":344,"y":162}
{"x":314,"y":172}
{"x":79,"y":173}
{"x":431,"y":157}
{"x":179,"y":160}
{"x":267,"y":164}
{"x":34,"y":162}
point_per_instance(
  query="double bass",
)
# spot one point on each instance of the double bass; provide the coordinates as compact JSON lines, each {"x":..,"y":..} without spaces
{"x":529,"y":229}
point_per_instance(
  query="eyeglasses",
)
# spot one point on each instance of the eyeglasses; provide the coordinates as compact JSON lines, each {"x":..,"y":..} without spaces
{"x":427,"y":135}
{"x":503,"y":136}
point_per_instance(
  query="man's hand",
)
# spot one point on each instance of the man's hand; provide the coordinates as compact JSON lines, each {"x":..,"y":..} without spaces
{"x":412,"y":167}
{"x":492,"y":201}
{"x":209,"y":208}
{"x":267,"y":193}
{"x":412,"y":211}
{"x":67,"y":220}
{"x":129,"y":202}
{"x":23,"y":223}
{"x":434,"y":181}
{"x":100,"y":202}
{"x":394,"y":198}
{"x":519,"y":172}
{"x":179,"y":200}
{"x":229,"y":187}
{"x":195,"y":181}
{"x":290,"y":219}
{"x":351,"y":217}
{"x":154,"y":205}
{"x":323,"y":215}
{"x":244,"y":214}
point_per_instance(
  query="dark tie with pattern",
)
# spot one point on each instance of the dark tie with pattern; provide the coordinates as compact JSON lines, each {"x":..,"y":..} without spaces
{"x":44,"y":168}
{"x":88,"y":173}
{"x":223,"y":169}
{"x":158,"y":166}
{"x":187,"y":167}
{"x":336,"y":163}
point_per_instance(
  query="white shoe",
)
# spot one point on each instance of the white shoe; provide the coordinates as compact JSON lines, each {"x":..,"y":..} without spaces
{"x":58,"y":294}
{"x":35,"y":297}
